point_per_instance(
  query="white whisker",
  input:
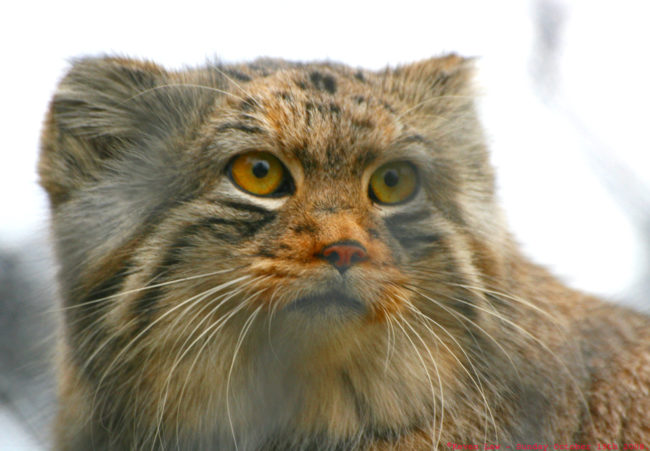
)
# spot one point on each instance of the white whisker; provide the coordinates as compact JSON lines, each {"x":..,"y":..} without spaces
{"x":240,"y":340}
{"x":426,"y":371}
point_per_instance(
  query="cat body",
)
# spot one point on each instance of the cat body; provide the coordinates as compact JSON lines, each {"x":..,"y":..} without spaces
{"x":307,"y":256}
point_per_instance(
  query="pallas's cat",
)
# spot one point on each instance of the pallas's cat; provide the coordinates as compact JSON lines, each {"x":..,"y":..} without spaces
{"x":308,"y":256}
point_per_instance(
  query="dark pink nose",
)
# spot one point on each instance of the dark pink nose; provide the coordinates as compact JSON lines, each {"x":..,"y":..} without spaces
{"x":344,"y":254}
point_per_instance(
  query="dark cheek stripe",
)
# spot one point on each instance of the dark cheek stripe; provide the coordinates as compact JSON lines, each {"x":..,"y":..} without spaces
{"x":145,"y":305}
{"x":246,"y":207}
{"x":400,"y":219}
{"x":417,"y":240}
{"x":232,"y":231}
{"x":223,"y":228}
{"x":241,"y":126}
{"x":109,"y":287}
{"x":409,"y":240}
{"x":89,"y":331}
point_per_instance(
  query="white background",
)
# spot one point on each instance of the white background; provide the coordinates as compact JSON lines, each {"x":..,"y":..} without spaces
{"x":560,"y":153}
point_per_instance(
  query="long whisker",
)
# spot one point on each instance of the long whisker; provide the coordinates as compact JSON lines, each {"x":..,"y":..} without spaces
{"x":185,"y":349}
{"x":390,"y":341}
{"x":95,"y":331}
{"x":545,"y":347}
{"x":144,"y":288}
{"x":221,"y":299}
{"x":210,"y":331}
{"x":435,"y":366}
{"x":274,"y":309}
{"x":477,"y":382}
{"x":161,"y":317}
{"x":225,"y":296}
{"x":510,"y":297}
{"x":240,"y":340}
{"x":488,"y":290}
{"x":501,"y":317}
{"x":426,"y":371}
{"x":459,"y":316}
{"x":146,"y":329}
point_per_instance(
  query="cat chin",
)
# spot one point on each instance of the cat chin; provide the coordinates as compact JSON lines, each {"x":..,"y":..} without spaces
{"x":319,"y":321}
{"x":315,"y":324}
{"x":332,"y":302}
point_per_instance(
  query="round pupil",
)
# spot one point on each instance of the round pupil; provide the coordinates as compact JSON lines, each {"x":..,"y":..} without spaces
{"x":261,"y":169}
{"x":391,"y":178}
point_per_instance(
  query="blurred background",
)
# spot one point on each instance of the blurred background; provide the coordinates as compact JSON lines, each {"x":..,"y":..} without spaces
{"x":565,"y":97}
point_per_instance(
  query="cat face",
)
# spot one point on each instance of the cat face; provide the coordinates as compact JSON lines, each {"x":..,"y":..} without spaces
{"x":326,"y":143}
{"x":209,"y":214}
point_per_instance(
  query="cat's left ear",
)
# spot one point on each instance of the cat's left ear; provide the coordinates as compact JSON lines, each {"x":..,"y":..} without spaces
{"x":436,"y":85}
{"x":108,"y":110}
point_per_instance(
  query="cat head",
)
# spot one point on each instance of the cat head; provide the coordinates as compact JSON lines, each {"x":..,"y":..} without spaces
{"x":196,"y":206}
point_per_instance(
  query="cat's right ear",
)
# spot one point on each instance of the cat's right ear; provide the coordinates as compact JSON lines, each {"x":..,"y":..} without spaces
{"x":437,"y":86}
{"x":104,"y":108}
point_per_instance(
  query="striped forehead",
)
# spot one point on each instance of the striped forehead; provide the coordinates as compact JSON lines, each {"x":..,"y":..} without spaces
{"x":327,"y":121}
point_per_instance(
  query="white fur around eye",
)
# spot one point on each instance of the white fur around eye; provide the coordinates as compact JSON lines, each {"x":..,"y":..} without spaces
{"x":229,"y":191}
{"x":416,"y":203}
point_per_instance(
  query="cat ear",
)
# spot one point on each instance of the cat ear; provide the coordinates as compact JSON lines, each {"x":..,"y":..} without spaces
{"x":98,"y":110}
{"x":105,"y":108}
{"x":436,"y":85}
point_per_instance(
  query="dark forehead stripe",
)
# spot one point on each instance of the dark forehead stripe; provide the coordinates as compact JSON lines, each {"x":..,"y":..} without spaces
{"x":335,"y":159}
{"x":323,"y":82}
{"x":309,"y":162}
{"x":241,"y":126}
{"x":327,"y":110}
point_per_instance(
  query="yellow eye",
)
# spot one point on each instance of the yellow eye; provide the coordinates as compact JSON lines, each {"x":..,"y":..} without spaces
{"x":393,"y":183}
{"x":259,"y":173}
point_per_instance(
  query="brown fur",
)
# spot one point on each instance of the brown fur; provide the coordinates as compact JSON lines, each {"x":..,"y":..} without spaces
{"x":189,"y":304}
